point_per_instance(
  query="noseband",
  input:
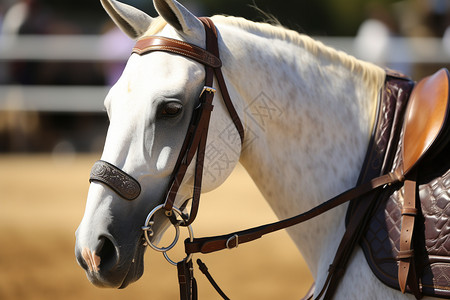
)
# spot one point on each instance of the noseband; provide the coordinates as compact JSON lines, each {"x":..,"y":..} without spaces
{"x":119,"y":181}
{"x":195,"y":141}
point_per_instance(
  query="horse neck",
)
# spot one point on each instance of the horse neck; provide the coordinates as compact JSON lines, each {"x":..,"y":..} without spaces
{"x":308,"y":113}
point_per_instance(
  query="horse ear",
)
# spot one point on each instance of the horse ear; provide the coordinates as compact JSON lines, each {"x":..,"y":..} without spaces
{"x":131,"y":20}
{"x":180,"y":18}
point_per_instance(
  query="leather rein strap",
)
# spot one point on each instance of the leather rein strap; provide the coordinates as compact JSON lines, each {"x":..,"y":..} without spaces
{"x":232,"y":240}
{"x":195,"y":140}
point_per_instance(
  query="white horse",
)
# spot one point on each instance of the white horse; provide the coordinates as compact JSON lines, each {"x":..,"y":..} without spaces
{"x":308,"y":112}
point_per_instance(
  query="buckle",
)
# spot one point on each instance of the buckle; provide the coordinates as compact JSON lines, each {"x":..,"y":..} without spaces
{"x":208,"y":89}
{"x":234,"y":237}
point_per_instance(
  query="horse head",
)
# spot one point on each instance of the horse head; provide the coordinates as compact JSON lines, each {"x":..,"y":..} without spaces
{"x":150,"y":109}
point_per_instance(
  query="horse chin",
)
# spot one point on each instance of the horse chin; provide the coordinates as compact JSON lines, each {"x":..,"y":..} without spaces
{"x":136,"y":268}
{"x":134,"y":272}
{"x":124,"y":274}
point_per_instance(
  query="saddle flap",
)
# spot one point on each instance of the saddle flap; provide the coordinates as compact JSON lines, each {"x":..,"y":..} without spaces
{"x":425,"y":118}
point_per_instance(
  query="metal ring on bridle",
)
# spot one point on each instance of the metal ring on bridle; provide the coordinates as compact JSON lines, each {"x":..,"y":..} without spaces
{"x":148,"y":233}
{"x":189,"y":257}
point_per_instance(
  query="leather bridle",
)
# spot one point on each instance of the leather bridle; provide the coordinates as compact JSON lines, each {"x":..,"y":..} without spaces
{"x":195,"y":140}
{"x":195,"y":143}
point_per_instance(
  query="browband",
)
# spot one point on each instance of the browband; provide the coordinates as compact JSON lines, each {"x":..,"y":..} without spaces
{"x":159,"y":43}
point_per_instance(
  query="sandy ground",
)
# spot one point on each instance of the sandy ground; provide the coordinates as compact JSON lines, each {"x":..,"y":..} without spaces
{"x":42,"y":199}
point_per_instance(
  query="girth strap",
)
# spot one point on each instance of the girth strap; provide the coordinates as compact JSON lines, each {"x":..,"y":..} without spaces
{"x":406,"y":268}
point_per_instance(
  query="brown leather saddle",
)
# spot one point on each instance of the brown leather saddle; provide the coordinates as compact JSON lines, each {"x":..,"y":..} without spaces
{"x":404,"y":228}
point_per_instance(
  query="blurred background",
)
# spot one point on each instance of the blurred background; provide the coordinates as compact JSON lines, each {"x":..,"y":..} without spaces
{"x":57,"y":62}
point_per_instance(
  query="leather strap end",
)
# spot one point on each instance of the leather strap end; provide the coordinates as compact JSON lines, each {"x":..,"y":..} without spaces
{"x":403,"y":271}
{"x":406,"y":252}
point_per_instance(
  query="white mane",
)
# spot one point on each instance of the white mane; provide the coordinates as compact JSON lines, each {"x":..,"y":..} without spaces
{"x":367,"y":70}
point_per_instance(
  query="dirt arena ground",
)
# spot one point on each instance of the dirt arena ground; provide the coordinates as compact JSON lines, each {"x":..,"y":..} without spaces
{"x":42,"y":199}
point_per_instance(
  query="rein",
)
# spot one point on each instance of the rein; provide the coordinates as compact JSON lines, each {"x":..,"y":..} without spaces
{"x":195,"y":143}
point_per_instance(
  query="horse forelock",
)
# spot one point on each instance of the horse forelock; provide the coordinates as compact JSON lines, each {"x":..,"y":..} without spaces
{"x":156,"y":26}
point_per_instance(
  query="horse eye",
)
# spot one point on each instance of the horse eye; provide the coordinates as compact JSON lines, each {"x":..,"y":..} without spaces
{"x":172,"y":109}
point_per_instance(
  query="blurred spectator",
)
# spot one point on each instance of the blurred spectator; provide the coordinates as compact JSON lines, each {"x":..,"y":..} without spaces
{"x":40,"y":131}
{"x":2,"y":66}
{"x":446,"y":40}
{"x":373,"y":41}
{"x":407,"y":18}
{"x":26,"y":16}
{"x":2,"y":12}
{"x":422,"y":18}
{"x":33,"y":17}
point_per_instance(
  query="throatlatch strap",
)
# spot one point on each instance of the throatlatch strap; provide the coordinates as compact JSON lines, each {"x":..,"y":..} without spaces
{"x":211,"y":34}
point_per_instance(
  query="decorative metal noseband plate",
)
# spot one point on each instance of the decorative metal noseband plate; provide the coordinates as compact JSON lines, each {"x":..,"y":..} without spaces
{"x":122,"y":183}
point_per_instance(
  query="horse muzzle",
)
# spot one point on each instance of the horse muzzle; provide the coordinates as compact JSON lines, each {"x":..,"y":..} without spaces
{"x":107,"y":265}
{"x":108,"y":248}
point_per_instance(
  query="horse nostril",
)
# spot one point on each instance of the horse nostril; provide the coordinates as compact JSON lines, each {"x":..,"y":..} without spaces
{"x":107,"y":251}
